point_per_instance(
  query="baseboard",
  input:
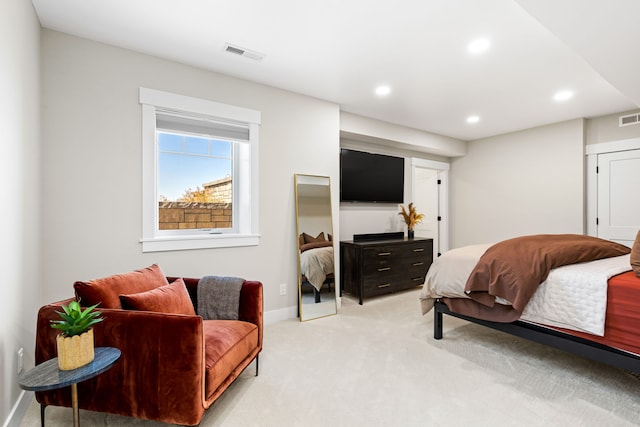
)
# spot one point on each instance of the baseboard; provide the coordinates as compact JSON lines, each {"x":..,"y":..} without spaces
{"x":273,"y":316}
{"x":19,"y":409}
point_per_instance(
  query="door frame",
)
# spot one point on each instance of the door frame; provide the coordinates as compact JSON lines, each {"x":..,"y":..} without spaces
{"x":592,"y":151}
{"x":442,"y":170}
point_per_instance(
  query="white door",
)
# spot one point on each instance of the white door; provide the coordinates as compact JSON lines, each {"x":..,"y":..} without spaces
{"x":425,"y":200}
{"x":618,"y":196}
{"x":430,"y":194}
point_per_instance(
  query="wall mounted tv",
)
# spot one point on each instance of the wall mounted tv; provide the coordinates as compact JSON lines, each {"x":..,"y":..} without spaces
{"x":373,"y":178}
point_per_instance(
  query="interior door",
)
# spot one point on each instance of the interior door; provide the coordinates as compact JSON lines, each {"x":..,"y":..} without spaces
{"x":618,"y":201}
{"x":426,"y":202}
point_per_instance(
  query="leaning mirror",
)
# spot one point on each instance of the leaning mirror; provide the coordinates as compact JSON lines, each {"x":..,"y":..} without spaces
{"x":315,"y":247}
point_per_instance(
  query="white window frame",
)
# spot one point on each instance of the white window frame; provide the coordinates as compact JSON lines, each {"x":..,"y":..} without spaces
{"x":245,"y":204}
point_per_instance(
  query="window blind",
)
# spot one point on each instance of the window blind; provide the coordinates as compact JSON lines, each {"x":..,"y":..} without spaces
{"x":169,"y":121}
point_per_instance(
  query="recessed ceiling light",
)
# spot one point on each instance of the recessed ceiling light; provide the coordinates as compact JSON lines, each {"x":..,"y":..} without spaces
{"x":563,"y":95}
{"x":478,"y":45}
{"x":473,"y":119}
{"x":383,"y":90}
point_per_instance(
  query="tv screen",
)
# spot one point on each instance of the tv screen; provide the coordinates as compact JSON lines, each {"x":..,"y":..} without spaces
{"x":368,"y":177}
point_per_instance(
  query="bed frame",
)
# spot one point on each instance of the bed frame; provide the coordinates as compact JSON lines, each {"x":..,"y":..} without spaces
{"x":572,"y":344}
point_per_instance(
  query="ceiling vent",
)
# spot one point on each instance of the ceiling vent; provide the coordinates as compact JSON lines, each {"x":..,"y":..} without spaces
{"x":237,"y":50}
{"x":631,"y":119}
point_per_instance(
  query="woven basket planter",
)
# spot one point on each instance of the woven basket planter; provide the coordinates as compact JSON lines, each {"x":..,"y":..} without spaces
{"x":76,"y":351}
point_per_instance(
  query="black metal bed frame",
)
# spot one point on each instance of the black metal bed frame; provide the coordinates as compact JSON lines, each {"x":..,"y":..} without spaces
{"x":572,"y":344}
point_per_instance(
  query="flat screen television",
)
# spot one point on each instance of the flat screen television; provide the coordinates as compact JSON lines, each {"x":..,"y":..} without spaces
{"x":373,"y":178}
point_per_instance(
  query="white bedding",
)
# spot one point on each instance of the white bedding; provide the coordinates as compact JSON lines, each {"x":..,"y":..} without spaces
{"x":572,"y":297}
{"x":316,"y":264}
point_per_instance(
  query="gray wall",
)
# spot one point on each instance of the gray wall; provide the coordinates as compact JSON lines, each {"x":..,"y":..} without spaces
{"x":521,"y":183}
{"x":606,"y":129}
{"x":92,"y":160}
{"x":20,"y":194}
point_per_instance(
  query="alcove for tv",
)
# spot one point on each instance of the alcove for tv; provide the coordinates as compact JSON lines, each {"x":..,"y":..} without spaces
{"x":372,"y":178}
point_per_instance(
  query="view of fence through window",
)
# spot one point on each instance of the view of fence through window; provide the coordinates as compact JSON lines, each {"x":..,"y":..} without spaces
{"x":194,"y":182}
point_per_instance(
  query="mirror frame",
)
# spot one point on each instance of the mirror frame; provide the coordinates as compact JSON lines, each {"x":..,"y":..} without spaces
{"x":302,"y":179}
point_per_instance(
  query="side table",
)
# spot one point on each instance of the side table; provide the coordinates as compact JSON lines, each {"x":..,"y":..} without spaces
{"x":47,"y":376}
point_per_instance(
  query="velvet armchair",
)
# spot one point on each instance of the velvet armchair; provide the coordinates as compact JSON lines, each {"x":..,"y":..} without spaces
{"x":173,"y":366}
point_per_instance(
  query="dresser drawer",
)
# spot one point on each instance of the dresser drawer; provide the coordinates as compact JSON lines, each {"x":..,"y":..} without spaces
{"x":413,"y":280}
{"x":381,"y":255}
{"x":416,"y":249}
{"x":383,"y":269}
{"x":380,"y":287}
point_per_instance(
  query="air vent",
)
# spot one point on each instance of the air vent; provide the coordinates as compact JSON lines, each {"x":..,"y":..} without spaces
{"x":237,"y":50}
{"x":631,"y":119}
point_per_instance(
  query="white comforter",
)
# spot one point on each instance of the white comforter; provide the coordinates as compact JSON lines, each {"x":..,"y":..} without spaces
{"x":316,"y":264}
{"x":572,"y":297}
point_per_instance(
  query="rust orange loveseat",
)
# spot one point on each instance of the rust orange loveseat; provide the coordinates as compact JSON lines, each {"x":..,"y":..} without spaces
{"x":174,"y":365}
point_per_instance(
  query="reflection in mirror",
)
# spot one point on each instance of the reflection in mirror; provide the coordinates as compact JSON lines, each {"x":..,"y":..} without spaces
{"x":316,"y":258}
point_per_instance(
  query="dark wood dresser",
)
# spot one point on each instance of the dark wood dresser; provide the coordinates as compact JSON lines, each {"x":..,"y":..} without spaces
{"x":376,"y":267}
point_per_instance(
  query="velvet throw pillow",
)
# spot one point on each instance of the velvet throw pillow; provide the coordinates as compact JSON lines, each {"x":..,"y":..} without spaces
{"x":311,"y":239}
{"x":106,"y":291}
{"x":172,"y":298}
{"x":635,"y":255}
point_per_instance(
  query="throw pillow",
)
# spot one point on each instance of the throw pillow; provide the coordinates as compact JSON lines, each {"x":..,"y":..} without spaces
{"x":635,"y":255}
{"x":318,"y":238}
{"x":172,"y":298}
{"x":106,"y":291}
{"x":315,"y":245}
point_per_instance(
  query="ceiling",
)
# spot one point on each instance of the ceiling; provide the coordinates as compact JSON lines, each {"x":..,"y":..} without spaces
{"x":340,"y":50}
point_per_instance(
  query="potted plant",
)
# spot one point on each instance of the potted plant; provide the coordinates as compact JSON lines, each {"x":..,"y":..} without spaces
{"x":75,"y":343}
{"x":411,"y":218}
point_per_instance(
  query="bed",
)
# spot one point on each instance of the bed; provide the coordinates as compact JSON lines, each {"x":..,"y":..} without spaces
{"x":573,"y":292}
{"x":316,"y":262}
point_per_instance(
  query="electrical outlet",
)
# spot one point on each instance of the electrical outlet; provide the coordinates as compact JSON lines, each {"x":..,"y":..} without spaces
{"x":20,"y":361}
{"x":283,"y":288}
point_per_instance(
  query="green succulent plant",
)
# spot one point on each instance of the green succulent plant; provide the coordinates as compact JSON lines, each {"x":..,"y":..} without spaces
{"x":75,"y":320}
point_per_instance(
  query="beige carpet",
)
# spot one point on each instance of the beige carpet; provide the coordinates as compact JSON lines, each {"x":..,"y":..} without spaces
{"x":378,"y":365}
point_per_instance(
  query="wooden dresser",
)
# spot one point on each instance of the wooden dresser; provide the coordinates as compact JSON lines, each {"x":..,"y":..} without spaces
{"x":376,"y":267}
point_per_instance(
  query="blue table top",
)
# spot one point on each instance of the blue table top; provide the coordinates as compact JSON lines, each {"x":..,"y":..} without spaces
{"x":47,"y":376}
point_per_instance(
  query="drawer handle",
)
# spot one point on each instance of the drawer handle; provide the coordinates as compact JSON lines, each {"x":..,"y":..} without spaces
{"x":384,"y":269}
{"x":386,"y":285}
{"x":415,"y":264}
{"x":418,"y":250}
{"x":384,"y":253}
{"x":417,"y":279}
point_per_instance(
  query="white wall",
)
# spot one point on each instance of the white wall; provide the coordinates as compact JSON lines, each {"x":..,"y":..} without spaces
{"x":20,"y":194}
{"x":525,"y":182}
{"x":92,"y":166}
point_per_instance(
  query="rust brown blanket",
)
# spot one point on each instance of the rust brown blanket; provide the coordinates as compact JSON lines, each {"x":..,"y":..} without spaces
{"x":513,"y":269}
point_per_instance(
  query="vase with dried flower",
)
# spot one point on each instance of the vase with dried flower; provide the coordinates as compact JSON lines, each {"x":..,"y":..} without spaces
{"x":75,"y":343}
{"x":411,"y":218}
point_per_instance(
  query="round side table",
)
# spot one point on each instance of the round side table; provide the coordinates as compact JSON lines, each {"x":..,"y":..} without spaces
{"x":47,"y":376}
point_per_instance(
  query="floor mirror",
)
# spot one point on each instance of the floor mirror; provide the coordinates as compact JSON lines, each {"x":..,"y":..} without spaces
{"x":315,"y":247}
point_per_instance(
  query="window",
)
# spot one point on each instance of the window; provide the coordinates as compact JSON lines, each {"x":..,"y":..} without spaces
{"x":200,"y":186}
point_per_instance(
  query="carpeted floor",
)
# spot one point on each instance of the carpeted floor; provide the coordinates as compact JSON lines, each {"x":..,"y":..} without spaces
{"x":378,"y":365}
